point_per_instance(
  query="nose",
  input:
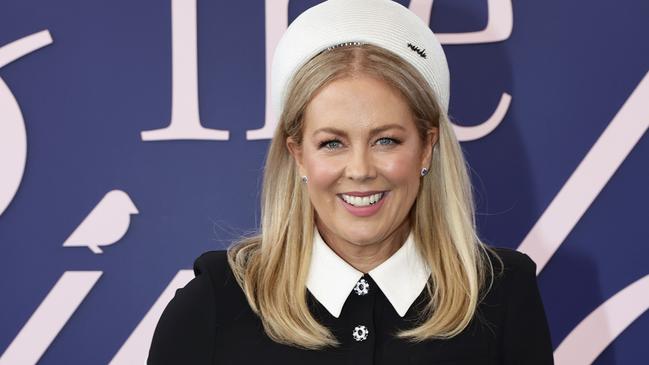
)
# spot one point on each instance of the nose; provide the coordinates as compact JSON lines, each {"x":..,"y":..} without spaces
{"x":360,"y":166}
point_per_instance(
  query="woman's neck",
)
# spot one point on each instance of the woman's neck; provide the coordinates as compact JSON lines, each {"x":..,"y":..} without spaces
{"x":365,"y":257}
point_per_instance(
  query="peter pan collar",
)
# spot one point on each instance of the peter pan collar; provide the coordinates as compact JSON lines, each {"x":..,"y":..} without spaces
{"x":401,"y":277}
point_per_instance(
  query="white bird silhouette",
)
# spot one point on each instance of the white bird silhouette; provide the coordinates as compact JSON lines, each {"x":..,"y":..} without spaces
{"x":106,"y":224}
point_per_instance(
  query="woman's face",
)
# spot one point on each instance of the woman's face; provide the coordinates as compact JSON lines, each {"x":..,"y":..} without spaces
{"x":363,"y":155}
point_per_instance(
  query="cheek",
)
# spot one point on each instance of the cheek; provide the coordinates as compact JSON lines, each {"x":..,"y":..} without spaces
{"x":323,"y":174}
{"x":401,"y":169}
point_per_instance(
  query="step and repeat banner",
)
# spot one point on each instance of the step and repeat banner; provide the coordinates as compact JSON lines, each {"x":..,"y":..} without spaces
{"x":133,"y":135}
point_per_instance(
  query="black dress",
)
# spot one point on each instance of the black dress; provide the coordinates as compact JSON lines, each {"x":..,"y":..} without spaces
{"x":209,"y":321}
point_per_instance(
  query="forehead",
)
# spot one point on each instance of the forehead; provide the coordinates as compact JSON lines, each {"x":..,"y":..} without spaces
{"x":357,"y":103}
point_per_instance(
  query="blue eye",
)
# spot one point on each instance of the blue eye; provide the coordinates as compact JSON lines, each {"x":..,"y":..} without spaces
{"x":386,"y":141}
{"x":331,"y":144}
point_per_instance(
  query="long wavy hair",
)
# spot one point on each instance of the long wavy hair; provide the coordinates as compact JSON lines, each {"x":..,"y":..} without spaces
{"x":272,"y":266}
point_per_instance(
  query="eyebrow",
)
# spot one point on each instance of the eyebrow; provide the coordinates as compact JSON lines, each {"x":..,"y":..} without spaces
{"x":372,"y":132}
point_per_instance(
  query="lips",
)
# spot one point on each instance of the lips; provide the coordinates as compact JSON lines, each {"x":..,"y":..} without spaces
{"x":362,"y":201}
{"x":363,"y":193}
{"x":364,"y":206}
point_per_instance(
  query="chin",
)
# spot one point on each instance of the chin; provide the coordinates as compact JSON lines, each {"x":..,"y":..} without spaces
{"x":363,"y":237}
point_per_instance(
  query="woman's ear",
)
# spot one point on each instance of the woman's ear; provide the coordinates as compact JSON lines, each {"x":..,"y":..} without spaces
{"x":432,"y":137}
{"x":295,"y":149}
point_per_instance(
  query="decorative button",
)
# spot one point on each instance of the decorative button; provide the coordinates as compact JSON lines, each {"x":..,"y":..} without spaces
{"x":362,"y":287}
{"x":360,"y":333}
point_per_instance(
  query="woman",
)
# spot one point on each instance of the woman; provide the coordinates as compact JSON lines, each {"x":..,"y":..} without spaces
{"x":367,"y":251}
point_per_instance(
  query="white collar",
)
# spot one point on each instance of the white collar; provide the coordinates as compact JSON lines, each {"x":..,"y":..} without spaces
{"x":401,"y":277}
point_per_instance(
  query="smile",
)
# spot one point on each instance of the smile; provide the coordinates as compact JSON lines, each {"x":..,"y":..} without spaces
{"x":363,"y":201}
{"x":363,"y":206}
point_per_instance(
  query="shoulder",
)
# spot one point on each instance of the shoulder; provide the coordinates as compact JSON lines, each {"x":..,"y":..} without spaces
{"x":229,"y":297}
{"x":514,"y":273}
{"x":213,"y":265}
{"x":516,"y":285}
{"x":525,"y":332}
{"x":187,"y":328}
{"x":513,"y":261}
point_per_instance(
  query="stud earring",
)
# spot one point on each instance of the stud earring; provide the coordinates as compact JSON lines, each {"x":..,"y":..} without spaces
{"x":305,"y":179}
{"x":424,"y":171}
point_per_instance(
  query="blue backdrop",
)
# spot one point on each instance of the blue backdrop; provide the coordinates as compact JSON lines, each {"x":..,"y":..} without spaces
{"x":550,"y":100}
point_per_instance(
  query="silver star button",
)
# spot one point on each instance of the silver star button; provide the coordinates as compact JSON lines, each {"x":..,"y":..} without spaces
{"x":360,"y":333}
{"x":362,"y":287}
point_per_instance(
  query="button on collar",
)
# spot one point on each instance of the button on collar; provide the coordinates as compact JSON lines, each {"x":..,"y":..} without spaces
{"x":362,"y":287}
{"x":401,"y":277}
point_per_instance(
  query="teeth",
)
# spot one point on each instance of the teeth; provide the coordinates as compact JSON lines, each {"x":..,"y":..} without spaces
{"x":362,"y":201}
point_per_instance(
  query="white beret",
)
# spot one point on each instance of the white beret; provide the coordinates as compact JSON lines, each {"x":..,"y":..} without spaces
{"x":383,"y":23}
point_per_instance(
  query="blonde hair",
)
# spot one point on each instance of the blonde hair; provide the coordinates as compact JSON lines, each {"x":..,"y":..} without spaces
{"x":272,"y":266}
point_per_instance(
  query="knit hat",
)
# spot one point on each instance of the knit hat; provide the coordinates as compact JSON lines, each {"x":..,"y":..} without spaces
{"x":383,"y":23}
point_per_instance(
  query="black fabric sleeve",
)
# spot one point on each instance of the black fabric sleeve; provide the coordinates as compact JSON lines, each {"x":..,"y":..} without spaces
{"x":186,"y":331}
{"x":526,"y":334}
